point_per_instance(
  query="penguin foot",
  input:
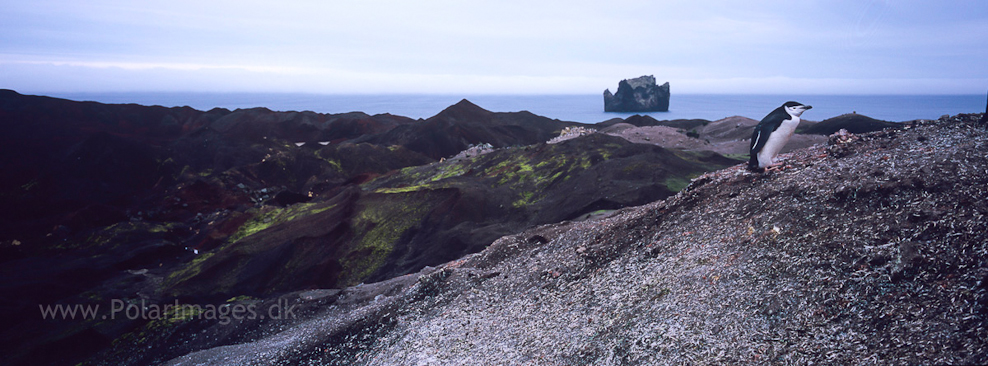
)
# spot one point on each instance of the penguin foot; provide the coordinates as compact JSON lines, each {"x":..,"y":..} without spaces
{"x":777,"y":167}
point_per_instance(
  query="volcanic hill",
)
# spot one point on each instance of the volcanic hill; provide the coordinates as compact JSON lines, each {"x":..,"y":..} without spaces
{"x":870,"y":250}
{"x":150,"y":204}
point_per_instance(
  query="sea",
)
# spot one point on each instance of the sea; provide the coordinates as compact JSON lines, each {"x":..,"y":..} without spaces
{"x":575,"y":108}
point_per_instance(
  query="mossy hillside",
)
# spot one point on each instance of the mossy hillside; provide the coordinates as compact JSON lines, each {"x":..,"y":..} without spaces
{"x":692,"y":164}
{"x":540,"y":164}
{"x":524,"y":171}
{"x":380,"y":221}
{"x":189,"y":270}
{"x":430,"y":176}
{"x":539,"y":184}
{"x":121,"y":233}
{"x":599,"y":171}
{"x":268,"y":216}
{"x":332,"y":161}
{"x":354,"y":159}
{"x":677,"y":184}
{"x":524,"y":200}
{"x":525,"y":174}
{"x":543,"y":164}
{"x":708,"y":160}
{"x":531,"y":172}
{"x":240,"y":247}
{"x":654,"y":171}
{"x":340,"y":248}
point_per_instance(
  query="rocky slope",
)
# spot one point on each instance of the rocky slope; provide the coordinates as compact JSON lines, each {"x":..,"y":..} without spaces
{"x":106,"y":203}
{"x":729,"y":136}
{"x":351,"y":221}
{"x":732,"y":135}
{"x":870,"y":250}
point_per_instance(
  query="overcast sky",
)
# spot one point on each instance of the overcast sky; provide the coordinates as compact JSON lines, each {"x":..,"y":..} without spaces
{"x":498,"y":47}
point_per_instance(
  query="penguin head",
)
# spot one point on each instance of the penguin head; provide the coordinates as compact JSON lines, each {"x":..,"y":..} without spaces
{"x":795,"y":109}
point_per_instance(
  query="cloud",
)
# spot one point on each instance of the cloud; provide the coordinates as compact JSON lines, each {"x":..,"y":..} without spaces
{"x":508,"y":46}
{"x":108,"y":77}
{"x":834,"y":86}
{"x":41,"y":77}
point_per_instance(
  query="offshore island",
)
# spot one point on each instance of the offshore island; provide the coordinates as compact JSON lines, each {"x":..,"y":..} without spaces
{"x":640,"y":94}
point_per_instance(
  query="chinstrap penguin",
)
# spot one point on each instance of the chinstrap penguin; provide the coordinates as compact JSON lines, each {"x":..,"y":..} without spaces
{"x":772,"y":133}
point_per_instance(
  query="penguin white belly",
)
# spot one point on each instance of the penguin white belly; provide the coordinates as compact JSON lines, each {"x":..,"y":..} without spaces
{"x":776,"y":141}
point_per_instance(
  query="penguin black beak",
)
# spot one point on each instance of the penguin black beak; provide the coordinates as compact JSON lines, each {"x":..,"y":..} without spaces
{"x":808,"y":106}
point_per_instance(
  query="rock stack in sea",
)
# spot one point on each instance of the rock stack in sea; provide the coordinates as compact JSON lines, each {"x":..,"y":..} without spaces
{"x":638,"y":95}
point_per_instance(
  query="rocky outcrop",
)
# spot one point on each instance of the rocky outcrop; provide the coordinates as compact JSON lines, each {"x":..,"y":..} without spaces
{"x":638,"y":95}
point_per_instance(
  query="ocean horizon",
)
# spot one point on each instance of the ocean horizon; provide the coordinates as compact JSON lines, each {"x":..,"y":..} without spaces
{"x":575,"y":108}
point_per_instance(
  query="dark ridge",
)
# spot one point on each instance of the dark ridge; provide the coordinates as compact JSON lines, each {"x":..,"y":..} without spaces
{"x":646,"y":120}
{"x":464,"y":124}
{"x":853,"y":123}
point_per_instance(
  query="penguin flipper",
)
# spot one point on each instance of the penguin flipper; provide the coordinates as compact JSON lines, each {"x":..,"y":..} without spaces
{"x":758,"y":139}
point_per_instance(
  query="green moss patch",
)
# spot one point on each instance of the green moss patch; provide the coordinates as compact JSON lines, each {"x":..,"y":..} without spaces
{"x":122,"y":233}
{"x":189,"y":270}
{"x":676,"y":183}
{"x":379,"y":224}
{"x":336,"y":164}
{"x":269,"y":216}
{"x":263,"y":219}
{"x":425,"y":177}
{"x":525,"y":200}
